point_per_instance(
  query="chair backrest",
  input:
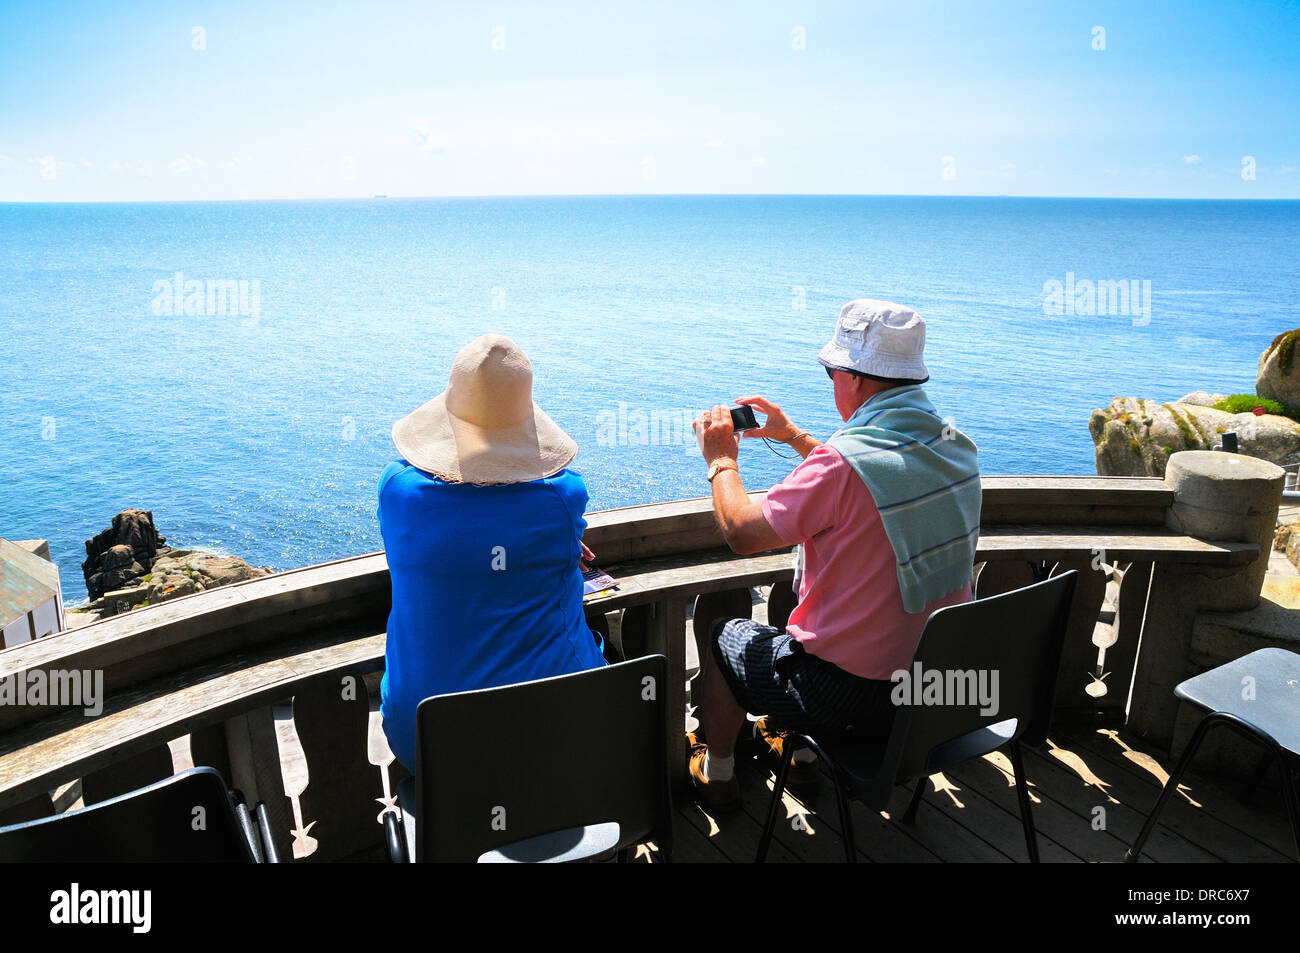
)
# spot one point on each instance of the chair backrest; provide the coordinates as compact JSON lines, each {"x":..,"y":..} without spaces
{"x":501,"y":765}
{"x":1007,"y":649}
{"x":186,"y":818}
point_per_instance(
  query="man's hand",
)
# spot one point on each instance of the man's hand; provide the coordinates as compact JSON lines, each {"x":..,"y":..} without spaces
{"x":715,"y":436}
{"x":777,"y":426}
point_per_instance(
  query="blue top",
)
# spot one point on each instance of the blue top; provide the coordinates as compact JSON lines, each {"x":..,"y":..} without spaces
{"x":486,"y":588}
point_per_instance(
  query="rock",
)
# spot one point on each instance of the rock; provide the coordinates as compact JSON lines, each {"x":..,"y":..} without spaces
{"x":1282,"y":536}
{"x":117,"y":557}
{"x":182,"y":572}
{"x":1279,"y":374}
{"x":121,"y":553}
{"x":1136,"y":437}
{"x":1200,"y":398}
{"x":129,"y":564}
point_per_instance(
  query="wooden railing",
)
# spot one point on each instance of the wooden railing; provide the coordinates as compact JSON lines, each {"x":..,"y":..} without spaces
{"x":213,"y":666}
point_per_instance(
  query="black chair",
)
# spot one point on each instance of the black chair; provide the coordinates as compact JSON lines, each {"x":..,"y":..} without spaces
{"x":190,"y":817}
{"x":559,"y":769}
{"x":1017,"y":634}
{"x":1269,"y":714}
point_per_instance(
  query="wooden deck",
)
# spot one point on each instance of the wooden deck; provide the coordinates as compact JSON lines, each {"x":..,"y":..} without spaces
{"x":971,"y":815}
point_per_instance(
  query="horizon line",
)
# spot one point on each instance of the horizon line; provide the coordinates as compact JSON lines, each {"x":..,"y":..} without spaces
{"x":620,"y":195}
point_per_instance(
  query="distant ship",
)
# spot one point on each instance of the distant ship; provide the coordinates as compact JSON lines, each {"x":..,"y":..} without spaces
{"x":381,"y":196}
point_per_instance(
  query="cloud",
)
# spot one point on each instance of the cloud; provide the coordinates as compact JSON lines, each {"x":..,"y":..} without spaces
{"x":1192,"y":159}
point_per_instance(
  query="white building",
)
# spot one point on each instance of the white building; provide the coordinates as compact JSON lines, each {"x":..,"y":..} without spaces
{"x":31,"y":599}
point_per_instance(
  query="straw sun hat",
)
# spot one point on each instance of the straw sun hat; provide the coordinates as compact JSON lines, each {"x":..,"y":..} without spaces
{"x":484,"y":428}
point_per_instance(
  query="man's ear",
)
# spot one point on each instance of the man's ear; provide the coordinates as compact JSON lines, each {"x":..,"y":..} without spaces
{"x":862,"y":389}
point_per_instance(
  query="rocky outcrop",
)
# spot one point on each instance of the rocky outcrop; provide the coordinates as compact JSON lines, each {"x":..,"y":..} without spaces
{"x":122,"y":553}
{"x":181,"y":572}
{"x":1279,"y":372}
{"x":1136,"y":437}
{"x":130,"y":565}
{"x":1200,"y":398}
{"x":1286,"y":539}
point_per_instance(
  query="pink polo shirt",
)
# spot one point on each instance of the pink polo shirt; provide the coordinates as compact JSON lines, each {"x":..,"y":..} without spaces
{"x":850,"y":610}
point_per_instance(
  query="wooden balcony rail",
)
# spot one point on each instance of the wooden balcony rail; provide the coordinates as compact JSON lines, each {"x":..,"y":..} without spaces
{"x":211,"y":666}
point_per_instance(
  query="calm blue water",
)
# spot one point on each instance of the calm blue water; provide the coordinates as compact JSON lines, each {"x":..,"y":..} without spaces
{"x":264,"y":437}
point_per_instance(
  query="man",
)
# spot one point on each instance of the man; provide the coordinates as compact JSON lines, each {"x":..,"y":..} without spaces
{"x":886,"y":515}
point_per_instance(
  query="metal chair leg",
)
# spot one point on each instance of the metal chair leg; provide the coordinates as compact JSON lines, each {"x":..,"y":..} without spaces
{"x":1026,"y":811}
{"x":1132,"y":854}
{"x":1292,"y":803}
{"x":842,"y":798}
{"x":846,"y":818}
{"x":1242,"y":727}
{"x":909,"y":816}
{"x":764,"y":842}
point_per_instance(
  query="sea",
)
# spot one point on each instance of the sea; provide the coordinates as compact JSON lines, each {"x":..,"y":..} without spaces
{"x":236,"y":367}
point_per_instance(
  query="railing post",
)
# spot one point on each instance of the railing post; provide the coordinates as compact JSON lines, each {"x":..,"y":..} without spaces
{"x":1217,"y":497}
{"x":667,"y":636}
{"x":1079,"y":652}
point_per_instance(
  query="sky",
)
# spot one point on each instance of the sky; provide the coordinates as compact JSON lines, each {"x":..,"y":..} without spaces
{"x":273,"y":100}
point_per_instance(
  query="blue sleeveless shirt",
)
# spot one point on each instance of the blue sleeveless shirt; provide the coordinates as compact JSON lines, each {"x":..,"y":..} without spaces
{"x":486,"y":588}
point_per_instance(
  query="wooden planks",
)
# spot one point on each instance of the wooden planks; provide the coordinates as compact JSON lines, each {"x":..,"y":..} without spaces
{"x":1112,"y":544}
{"x":975,"y":816}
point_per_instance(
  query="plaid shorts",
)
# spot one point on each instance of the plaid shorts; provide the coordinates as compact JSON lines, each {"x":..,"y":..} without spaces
{"x":770,"y":674}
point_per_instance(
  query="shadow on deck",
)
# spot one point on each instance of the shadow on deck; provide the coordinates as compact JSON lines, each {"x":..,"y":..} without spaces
{"x":1091,"y":792}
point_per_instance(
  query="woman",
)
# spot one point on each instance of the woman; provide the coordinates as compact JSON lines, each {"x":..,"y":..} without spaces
{"x":482,"y":522}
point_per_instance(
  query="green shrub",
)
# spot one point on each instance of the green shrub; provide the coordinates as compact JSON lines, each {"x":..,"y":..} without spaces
{"x":1245,"y":403}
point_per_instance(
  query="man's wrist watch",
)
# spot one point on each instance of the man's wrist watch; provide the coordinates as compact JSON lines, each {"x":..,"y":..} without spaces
{"x":717,"y":466}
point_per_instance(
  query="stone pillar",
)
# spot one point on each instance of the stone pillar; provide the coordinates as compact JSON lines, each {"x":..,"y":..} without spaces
{"x":1226,"y":496}
{"x":1217,"y":497}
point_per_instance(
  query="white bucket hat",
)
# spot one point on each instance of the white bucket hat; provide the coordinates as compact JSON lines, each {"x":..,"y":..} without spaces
{"x":880,"y":339}
{"x":485,"y":428}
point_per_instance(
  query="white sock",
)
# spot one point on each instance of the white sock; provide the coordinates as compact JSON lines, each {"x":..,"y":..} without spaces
{"x":718,"y":769}
{"x":804,"y":755}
